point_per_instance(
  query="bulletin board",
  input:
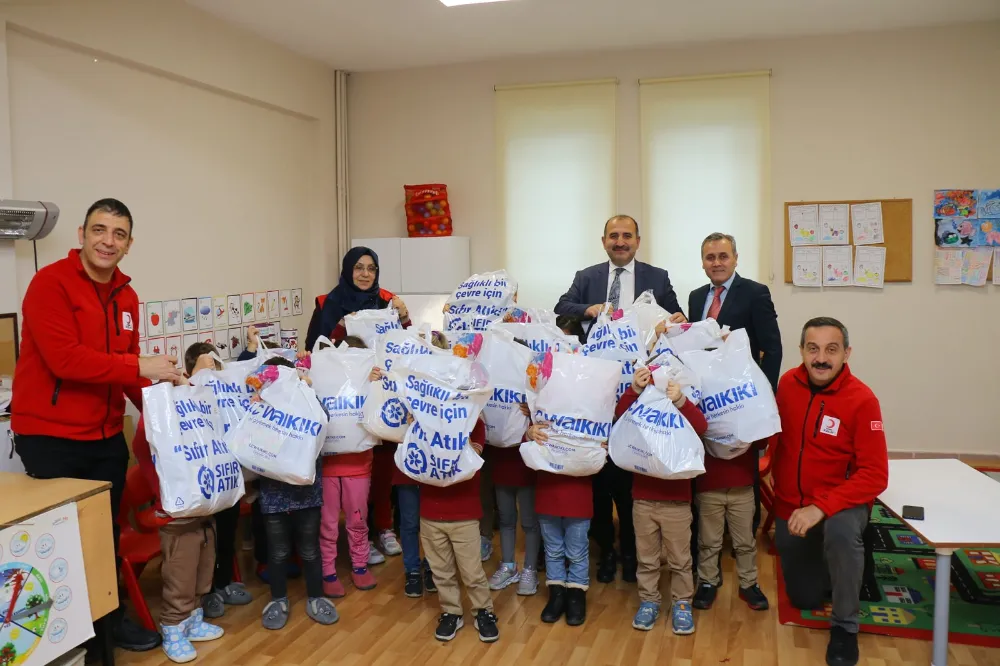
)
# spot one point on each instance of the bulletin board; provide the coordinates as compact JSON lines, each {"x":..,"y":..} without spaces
{"x":897,"y":229}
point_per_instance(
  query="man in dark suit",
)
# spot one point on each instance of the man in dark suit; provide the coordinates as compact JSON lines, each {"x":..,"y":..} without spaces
{"x":737,"y":302}
{"x":616,"y":282}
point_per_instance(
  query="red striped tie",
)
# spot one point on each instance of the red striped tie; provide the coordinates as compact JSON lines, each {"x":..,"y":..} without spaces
{"x":713,"y":309}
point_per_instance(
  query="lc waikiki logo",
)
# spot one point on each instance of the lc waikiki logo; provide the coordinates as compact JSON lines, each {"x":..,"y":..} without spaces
{"x":415,"y":461}
{"x":393,"y":414}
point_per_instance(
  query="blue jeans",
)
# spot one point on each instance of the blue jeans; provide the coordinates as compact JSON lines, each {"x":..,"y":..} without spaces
{"x":408,"y":499}
{"x":566,"y":539}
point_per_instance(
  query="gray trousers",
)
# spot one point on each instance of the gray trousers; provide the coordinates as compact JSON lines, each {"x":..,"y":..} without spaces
{"x":830,"y":557}
{"x":509,"y":499}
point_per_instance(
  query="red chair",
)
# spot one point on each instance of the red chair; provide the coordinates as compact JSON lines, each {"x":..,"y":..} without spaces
{"x":140,"y":544}
{"x":766,"y":491}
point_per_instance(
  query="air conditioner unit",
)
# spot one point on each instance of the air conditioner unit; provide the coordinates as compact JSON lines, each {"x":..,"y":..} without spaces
{"x":27,"y":220}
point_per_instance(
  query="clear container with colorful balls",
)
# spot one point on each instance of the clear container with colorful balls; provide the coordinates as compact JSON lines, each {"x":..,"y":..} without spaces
{"x":427,"y":211}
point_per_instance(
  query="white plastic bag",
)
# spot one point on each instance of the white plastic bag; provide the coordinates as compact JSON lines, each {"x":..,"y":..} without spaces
{"x":617,"y":340}
{"x":688,"y":336}
{"x":281,"y":435}
{"x":736,"y":397}
{"x":519,"y":315}
{"x":506,"y":362}
{"x":198,"y":474}
{"x":370,"y":324}
{"x":479,"y":301}
{"x":340,"y":378}
{"x":648,"y":314}
{"x":575,"y":396}
{"x":229,"y":385}
{"x":541,"y":337}
{"x":654,"y":439}
{"x":445,"y":408}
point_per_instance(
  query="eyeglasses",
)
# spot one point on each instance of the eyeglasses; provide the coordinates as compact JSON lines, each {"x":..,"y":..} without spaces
{"x":360,"y":268}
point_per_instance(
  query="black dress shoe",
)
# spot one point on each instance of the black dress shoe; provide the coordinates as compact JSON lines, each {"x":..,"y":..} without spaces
{"x":842,"y":650}
{"x":607,"y":568}
{"x":629,"y":567}
{"x":704,"y":597}
{"x":576,"y":606}
{"x":556,"y":606}
{"x":130,"y":636}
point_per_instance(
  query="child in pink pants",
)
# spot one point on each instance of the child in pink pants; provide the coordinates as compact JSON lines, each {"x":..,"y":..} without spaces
{"x":346,"y":480}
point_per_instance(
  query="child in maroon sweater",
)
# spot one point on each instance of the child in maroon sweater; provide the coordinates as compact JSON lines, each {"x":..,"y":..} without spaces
{"x":724,"y":495}
{"x":661,"y":512}
{"x":449,"y":533}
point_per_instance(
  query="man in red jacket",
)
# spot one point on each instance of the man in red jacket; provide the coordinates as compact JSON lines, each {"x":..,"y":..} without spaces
{"x":79,"y":358}
{"x":829,"y":465}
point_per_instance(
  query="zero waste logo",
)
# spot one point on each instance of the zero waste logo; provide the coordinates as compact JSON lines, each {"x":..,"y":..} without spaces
{"x":206,"y":481}
{"x":393,"y":413}
{"x":416,"y":460}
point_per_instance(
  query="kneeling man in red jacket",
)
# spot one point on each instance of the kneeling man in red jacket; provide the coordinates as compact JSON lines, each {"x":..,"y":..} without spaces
{"x":830,"y":463}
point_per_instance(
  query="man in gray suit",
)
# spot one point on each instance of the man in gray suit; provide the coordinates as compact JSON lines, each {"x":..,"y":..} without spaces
{"x":616,"y":282}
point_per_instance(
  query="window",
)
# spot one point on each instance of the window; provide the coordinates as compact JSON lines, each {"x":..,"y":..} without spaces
{"x":705,"y":162}
{"x":557,"y":168}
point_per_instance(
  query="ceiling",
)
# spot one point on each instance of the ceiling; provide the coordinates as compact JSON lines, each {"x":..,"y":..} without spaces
{"x":361,"y":35}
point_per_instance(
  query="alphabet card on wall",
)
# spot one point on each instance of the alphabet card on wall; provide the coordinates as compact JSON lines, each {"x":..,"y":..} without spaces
{"x":189,"y":307}
{"x":221,"y":343}
{"x":171,"y":317}
{"x":154,"y":319}
{"x":273,"y":308}
{"x":296,"y":302}
{"x":142,"y":320}
{"x":143,"y":348}
{"x":208,"y":337}
{"x":235,"y":342}
{"x":246,"y":308}
{"x":205,"y":313}
{"x":174,"y":349}
{"x":189,"y":339}
{"x":286,"y":302}
{"x":43,"y":588}
{"x":235,"y":310}
{"x":220,"y":317}
{"x":155,"y":346}
{"x":260,"y":306}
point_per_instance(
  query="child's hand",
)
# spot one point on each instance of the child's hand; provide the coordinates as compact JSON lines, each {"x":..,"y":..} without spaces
{"x":477,"y":447}
{"x":604,"y":445}
{"x":253,"y":339}
{"x":255,"y":397}
{"x":400,"y":306}
{"x":204,"y":361}
{"x":674,"y":393}
{"x":409,"y":418}
{"x":537,"y":433}
{"x":640,"y":380}
{"x":375,"y":374}
{"x":661,"y":328}
{"x":302,"y":354}
{"x":525,"y":410}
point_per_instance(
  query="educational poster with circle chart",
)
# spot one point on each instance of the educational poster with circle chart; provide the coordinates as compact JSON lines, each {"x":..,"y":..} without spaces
{"x":967,"y":236}
{"x":43,"y":589}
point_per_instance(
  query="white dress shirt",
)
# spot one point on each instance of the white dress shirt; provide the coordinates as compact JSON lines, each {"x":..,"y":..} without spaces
{"x":626,"y":281}
{"x":711,"y":295}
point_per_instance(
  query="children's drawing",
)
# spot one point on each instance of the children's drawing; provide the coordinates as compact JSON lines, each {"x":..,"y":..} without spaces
{"x":286,"y":302}
{"x":155,"y":346}
{"x":803,"y":221}
{"x":834,"y":224}
{"x":867,"y":223}
{"x":837,"y":265}
{"x":988,"y":203}
{"x":954,"y":203}
{"x":273,"y":309}
{"x":975,"y":266}
{"x":807,"y":263}
{"x":959,"y":232}
{"x":174,"y":349}
{"x":205,"y":313}
{"x":220,"y":315}
{"x":189,"y":308}
{"x":296,"y":302}
{"x":235,"y":342}
{"x":246,"y":308}
{"x":260,"y":306}
{"x":154,"y":319}
{"x":222,"y":345}
{"x":172,"y":317}
{"x":235,"y":310}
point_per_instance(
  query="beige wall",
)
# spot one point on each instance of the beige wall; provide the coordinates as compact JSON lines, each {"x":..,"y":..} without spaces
{"x":877,"y":115}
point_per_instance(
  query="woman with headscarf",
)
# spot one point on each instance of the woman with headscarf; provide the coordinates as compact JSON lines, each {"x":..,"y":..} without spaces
{"x":358,"y":290}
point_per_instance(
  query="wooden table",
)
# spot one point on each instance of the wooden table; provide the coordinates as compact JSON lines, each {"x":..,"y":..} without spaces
{"x":26,"y":497}
{"x":960,"y":508}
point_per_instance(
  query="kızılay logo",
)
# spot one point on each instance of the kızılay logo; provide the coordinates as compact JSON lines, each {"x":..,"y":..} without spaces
{"x":415,"y":461}
{"x":206,"y":481}
{"x":393,"y":413}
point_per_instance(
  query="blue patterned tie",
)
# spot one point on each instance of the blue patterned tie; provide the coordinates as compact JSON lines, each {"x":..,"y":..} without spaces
{"x":616,"y":289}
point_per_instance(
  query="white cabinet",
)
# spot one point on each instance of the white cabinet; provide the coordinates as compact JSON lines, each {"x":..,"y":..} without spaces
{"x":387,"y":250}
{"x":420,"y":265}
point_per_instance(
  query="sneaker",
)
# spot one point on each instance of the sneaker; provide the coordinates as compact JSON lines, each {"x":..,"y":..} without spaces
{"x":234,"y":594}
{"x":130,"y":636}
{"x":682,"y":618}
{"x":506,"y":575}
{"x":390,"y":545}
{"x":322,"y":610}
{"x":176,"y":645}
{"x":646,"y":616}
{"x":213,"y":605}
{"x":198,"y":631}
{"x":429,"y":580}
{"x":528,"y":585}
{"x":363,"y":578}
{"x":485,"y":548}
{"x":842,"y":649}
{"x":414,"y":586}
{"x":275,"y":615}
{"x":754,"y":597}
{"x":705,"y":596}
{"x":374,"y":555}
{"x":448,"y":626}
{"x":332,"y":587}
{"x":486,"y":623}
